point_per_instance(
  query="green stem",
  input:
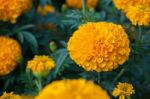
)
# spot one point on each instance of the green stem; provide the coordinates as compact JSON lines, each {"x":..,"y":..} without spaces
{"x":29,"y":78}
{"x":84,"y":7}
{"x":120,"y":74}
{"x":38,"y":83}
{"x":140,"y":35}
{"x":99,"y":78}
{"x":139,"y":39}
{"x":122,"y":17}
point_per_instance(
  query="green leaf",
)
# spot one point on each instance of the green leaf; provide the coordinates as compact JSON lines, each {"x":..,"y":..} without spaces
{"x":30,"y":38}
{"x":43,"y":2}
{"x":25,"y":27}
{"x":20,"y":37}
{"x":60,"y":60}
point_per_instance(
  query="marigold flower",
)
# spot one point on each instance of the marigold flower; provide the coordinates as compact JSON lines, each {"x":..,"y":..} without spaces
{"x":139,"y":14}
{"x":78,"y":3}
{"x":10,"y":51}
{"x":99,"y":46}
{"x":122,"y":4}
{"x":10,"y":96}
{"x":10,"y":10}
{"x":41,"y":65}
{"x":73,"y":89}
{"x":138,"y":11}
{"x":46,"y":9}
{"x":123,"y":90}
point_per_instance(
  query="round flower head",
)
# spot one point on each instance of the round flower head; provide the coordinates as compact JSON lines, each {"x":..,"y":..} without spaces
{"x":78,"y":3}
{"x":10,"y":52}
{"x":122,"y":4}
{"x":40,"y":65}
{"x":10,"y":10}
{"x":123,"y":90}
{"x":99,"y":46}
{"x":139,"y":14}
{"x":10,"y":96}
{"x":46,"y":9}
{"x":73,"y":89}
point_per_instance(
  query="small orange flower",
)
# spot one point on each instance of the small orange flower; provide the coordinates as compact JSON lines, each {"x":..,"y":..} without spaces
{"x":78,"y":3}
{"x":123,"y":90}
{"x":46,"y":9}
{"x":41,"y":65}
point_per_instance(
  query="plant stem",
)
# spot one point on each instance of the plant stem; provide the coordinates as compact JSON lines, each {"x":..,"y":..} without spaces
{"x":140,"y":35}
{"x":122,"y":17}
{"x":29,"y":78}
{"x":38,"y":83}
{"x":99,"y":78}
{"x":84,"y":7}
{"x":120,"y":74}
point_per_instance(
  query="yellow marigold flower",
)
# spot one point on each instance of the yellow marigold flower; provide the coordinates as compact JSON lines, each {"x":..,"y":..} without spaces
{"x":139,"y":15}
{"x":123,"y":90}
{"x":122,"y":4}
{"x":46,"y":9}
{"x":99,"y":46}
{"x":41,"y":65}
{"x":10,"y":10}
{"x":78,"y":3}
{"x":10,"y":51}
{"x":73,"y":89}
{"x":27,"y":96}
{"x":10,"y":96}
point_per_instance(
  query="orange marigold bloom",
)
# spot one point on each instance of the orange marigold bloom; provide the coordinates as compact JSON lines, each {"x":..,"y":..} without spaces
{"x":10,"y":51}
{"x":78,"y":3}
{"x":99,"y":46}
{"x":73,"y":89}
{"x":41,"y":65}
{"x":10,"y":10}
{"x":46,"y":9}
{"x":122,"y":4}
{"x":138,"y":11}
{"x":123,"y":90}
{"x":139,"y":14}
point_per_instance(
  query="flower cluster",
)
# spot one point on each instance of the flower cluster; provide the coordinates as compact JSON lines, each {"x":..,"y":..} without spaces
{"x":78,"y":3}
{"x":99,"y":46}
{"x":138,"y":11}
{"x":10,"y":10}
{"x":41,"y":65}
{"x":123,"y":90}
{"x":10,"y":52}
{"x":73,"y":89}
